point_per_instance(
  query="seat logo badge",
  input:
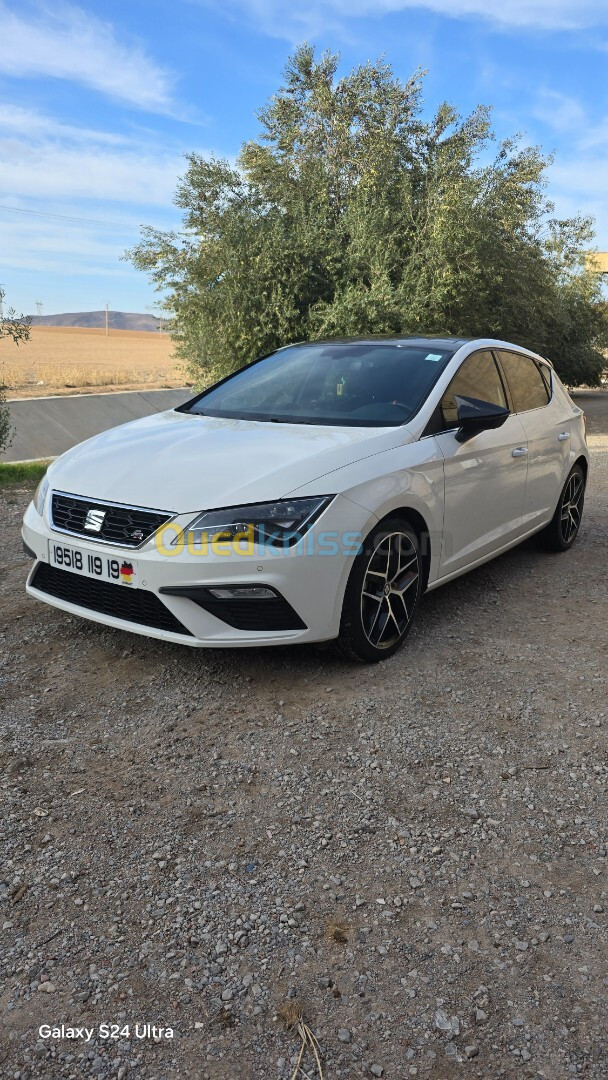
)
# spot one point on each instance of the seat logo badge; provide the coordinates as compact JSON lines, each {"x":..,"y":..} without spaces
{"x":94,"y":520}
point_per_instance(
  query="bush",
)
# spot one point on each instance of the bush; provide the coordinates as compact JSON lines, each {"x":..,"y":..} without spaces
{"x":17,"y":328}
{"x":6,"y":431}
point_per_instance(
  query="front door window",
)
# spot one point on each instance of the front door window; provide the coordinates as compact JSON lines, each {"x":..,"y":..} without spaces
{"x":478,"y":377}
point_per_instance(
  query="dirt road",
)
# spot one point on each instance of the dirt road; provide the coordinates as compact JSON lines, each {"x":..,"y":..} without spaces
{"x":413,"y":853}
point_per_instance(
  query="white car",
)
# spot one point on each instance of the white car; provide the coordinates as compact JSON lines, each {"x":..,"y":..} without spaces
{"x":313,"y":495}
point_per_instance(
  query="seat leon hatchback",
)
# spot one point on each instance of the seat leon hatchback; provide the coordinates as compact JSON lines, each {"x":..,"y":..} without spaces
{"x":313,"y":495}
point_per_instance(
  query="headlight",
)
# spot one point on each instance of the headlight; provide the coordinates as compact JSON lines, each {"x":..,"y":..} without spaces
{"x":281,"y":522}
{"x":40,"y":495}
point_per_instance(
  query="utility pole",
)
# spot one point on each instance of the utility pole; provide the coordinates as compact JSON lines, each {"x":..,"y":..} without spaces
{"x":155,"y":311}
{"x":107,"y":330}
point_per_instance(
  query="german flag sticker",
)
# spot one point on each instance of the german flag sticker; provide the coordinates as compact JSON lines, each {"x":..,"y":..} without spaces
{"x":127,"y":573}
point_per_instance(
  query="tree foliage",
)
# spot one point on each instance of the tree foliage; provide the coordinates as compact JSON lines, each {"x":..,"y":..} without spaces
{"x":353,"y":214}
{"x":17,"y":329}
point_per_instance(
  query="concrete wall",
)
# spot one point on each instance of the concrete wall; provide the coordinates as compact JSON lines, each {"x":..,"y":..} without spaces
{"x":46,"y":427}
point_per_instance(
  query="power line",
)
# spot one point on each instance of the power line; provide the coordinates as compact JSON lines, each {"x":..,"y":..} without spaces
{"x":65,"y":217}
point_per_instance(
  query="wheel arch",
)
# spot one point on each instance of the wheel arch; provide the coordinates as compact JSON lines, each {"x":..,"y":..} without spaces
{"x":584,"y":464}
{"x":416,"y":522}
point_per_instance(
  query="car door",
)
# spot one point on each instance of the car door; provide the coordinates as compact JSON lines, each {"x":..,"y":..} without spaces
{"x":545,"y":422}
{"x":485,"y":477}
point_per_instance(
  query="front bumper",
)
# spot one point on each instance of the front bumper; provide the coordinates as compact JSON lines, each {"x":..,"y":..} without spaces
{"x":311,"y":579}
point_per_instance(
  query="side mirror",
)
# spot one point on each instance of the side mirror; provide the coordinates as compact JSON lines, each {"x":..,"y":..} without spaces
{"x":475,"y":416}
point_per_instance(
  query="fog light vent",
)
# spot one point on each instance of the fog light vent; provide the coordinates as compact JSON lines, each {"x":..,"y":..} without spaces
{"x":243,"y":592}
{"x":245,"y":607}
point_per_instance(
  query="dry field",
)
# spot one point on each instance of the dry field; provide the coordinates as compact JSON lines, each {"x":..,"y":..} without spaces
{"x":65,"y":360}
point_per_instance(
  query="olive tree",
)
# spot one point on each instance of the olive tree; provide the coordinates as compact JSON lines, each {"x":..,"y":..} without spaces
{"x":354,"y":213}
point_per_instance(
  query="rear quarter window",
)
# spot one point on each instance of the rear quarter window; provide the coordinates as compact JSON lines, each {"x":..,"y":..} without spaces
{"x":545,"y":371}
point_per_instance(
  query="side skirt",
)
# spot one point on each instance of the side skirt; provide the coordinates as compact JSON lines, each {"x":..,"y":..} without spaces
{"x":485,"y":558}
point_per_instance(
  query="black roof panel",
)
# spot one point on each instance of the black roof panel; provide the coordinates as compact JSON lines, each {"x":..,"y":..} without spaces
{"x":411,"y":339}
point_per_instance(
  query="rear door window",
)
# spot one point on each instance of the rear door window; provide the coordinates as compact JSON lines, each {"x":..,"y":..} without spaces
{"x":528,"y":387}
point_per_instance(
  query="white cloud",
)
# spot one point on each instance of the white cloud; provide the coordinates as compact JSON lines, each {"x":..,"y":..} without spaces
{"x":577,"y":178}
{"x":54,"y":246}
{"x":46,"y":160}
{"x":51,"y":171}
{"x":297,"y":19}
{"x":578,"y":186}
{"x":48,"y":171}
{"x":586,"y":177}
{"x":50,"y":167}
{"x":566,"y":116}
{"x":46,"y":247}
{"x":27,"y":122}
{"x":561,"y":113}
{"x":595,"y":136}
{"x":66,"y":42}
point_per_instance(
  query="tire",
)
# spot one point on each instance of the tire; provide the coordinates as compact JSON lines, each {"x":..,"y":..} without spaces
{"x":562,"y":530}
{"x":382,"y":594}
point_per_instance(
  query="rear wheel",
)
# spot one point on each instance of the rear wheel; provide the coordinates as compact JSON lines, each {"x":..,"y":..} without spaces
{"x":562,"y":530}
{"x":382,"y":594}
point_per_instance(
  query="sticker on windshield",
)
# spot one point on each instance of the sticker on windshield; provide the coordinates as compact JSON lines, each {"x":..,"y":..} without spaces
{"x":434,"y":356}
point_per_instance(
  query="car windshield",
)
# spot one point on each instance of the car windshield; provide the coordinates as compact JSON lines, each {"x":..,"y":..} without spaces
{"x":363,"y":384}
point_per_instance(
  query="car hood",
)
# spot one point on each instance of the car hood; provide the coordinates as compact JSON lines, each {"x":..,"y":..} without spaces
{"x":185,"y":462}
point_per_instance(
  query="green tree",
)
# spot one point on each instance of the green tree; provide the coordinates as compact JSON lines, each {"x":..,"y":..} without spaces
{"x":17,"y":329}
{"x":353,"y":214}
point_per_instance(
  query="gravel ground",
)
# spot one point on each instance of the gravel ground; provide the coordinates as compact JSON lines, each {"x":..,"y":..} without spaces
{"x":412,"y":853}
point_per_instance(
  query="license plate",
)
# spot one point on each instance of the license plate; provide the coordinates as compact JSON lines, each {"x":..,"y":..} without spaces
{"x":101,"y":566}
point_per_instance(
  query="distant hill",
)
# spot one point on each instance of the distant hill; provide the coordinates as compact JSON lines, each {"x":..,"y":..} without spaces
{"x":117,"y":320}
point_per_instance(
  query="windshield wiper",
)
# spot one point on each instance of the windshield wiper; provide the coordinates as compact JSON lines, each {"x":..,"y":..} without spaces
{"x":266,"y":419}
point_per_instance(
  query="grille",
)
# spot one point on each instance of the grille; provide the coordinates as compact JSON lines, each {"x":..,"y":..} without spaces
{"x":256,"y":614}
{"x":125,"y":526}
{"x":268,"y":614}
{"x":132,"y":605}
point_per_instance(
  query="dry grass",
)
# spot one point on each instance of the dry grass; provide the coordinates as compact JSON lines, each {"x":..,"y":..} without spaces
{"x":74,"y":378}
{"x":337,"y":932}
{"x":69,"y":359}
{"x":290,"y":1012}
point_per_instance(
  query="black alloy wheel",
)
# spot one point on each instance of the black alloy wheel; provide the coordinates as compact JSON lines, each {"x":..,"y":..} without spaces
{"x":382,"y":594}
{"x":561,"y":532}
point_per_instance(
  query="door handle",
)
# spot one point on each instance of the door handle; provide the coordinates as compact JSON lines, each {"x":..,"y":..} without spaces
{"x":563,"y":435}
{"x":520,"y":451}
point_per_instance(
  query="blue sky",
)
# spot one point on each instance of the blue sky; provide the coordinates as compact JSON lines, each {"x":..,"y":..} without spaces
{"x":99,"y":103}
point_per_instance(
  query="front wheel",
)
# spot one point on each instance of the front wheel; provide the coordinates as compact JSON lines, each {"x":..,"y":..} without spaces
{"x":382,"y":594}
{"x":562,"y":530}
